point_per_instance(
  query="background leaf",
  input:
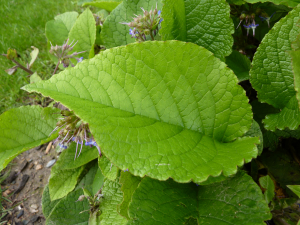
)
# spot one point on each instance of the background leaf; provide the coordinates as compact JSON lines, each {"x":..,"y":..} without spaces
{"x":267,"y":183}
{"x":172,"y":116}
{"x":84,"y":33}
{"x":63,"y":181}
{"x":240,"y":64}
{"x":129,"y":185}
{"x":112,"y":198}
{"x":68,"y":210}
{"x":256,"y":132}
{"x":57,"y":30}
{"x":113,"y":33}
{"x":237,"y":200}
{"x":108,"y":5}
{"x":22,"y":129}
{"x":272,"y":75}
{"x":295,"y":189}
{"x":205,"y":22}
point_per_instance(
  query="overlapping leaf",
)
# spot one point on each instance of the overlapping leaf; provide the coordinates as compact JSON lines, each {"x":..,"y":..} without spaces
{"x":163,"y":109}
{"x":108,"y":169}
{"x":272,"y":75}
{"x":113,"y":33}
{"x":237,"y":200}
{"x":205,"y":22}
{"x":22,"y":129}
{"x":67,"y":211}
{"x":84,"y":33}
{"x":57,"y":30}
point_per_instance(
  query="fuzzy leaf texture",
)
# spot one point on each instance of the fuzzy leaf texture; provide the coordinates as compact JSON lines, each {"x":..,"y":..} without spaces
{"x":204,"y":22}
{"x":113,"y":33}
{"x":237,"y":200}
{"x":272,"y":75}
{"x":162,"y":109}
{"x":24,"y":128}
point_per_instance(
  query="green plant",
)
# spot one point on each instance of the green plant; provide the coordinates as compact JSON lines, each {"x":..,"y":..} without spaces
{"x":170,"y":115}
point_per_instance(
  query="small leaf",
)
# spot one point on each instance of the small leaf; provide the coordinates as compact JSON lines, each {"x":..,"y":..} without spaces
{"x":84,"y":33}
{"x":57,"y":30}
{"x":22,"y":129}
{"x":256,"y":132}
{"x":240,"y":64}
{"x":129,"y":185}
{"x":108,"y":5}
{"x":33,"y":55}
{"x":66,"y":159}
{"x":205,"y":23}
{"x":237,"y":200}
{"x":63,"y":181}
{"x":34,"y":78}
{"x":108,"y":169}
{"x":48,"y":205}
{"x":267,"y":183}
{"x":113,"y":196}
{"x":12,"y":70}
{"x":295,"y":189}
{"x":69,"y":211}
{"x":271,"y":74}
{"x":98,"y":181}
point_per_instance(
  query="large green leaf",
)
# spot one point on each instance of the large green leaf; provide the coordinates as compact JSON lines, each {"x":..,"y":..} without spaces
{"x":57,"y":30}
{"x":108,"y":5}
{"x":112,"y":197}
{"x":272,"y":75}
{"x":24,"y":128}
{"x":84,"y":33}
{"x":162,"y":109}
{"x":63,"y":181}
{"x":129,"y":185}
{"x":237,"y":200}
{"x":204,"y":22}
{"x":113,"y":33}
{"x":69,"y":211}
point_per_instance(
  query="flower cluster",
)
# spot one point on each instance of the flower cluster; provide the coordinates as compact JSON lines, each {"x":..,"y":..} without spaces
{"x":73,"y":129}
{"x":250,"y":20}
{"x":61,"y":53}
{"x":145,"y":25}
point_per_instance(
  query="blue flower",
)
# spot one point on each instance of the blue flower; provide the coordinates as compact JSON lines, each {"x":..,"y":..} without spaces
{"x":79,"y":59}
{"x":160,"y":20}
{"x":159,"y":12}
{"x":132,"y":33}
{"x":91,"y":142}
{"x":125,"y":170}
{"x":63,"y":146}
{"x":251,"y":26}
{"x":264,"y":17}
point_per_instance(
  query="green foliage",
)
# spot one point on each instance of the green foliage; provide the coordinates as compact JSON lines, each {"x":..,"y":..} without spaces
{"x":267,"y":183}
{"x":114,"y":33}
{"x":237,"y":200}
{"x":108,"y":5}
{"x":22,"y":129}
{"x":272,"y":75}
{"x":160,"y":120}
{"x":172,"y":130}
{"x":205,"y":23}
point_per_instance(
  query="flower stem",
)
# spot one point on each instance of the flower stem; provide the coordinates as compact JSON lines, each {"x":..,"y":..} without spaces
{"x":56,"y":67}
{"x":22,"y":67}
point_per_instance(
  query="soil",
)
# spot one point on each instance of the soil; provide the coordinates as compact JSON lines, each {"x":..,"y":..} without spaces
{"x":28,"y":175}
